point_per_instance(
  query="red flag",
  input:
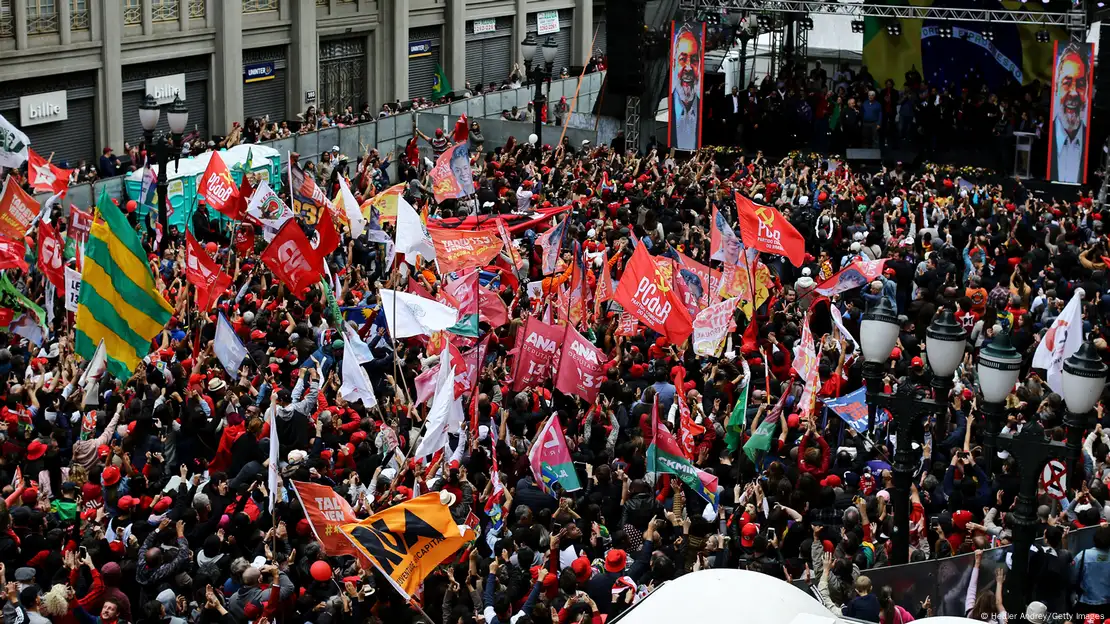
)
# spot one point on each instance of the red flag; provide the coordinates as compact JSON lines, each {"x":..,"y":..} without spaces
{"x":79,"y":224}
{"x":291,"y":257}
{"x":326,"y":511}
{"x":327,"y":238}
{"x":243,"y":199}
{"x":12,"y":255}
{"x":647,"y":292}
{"x":51,"y":258}
{"x":462,"y":132}
{"x":581,"y":367}
{"x":536,"y":345}
{"x":457,"y":250}
{"x":218,"y":187}
{"x":17,"y":210}
{"x":46,"y":177}
{"x":244,"y":239}
{"x":204,"y":273}
{"x":492,"y":308}
{"x":688,"y":429}
{"x":765,"y":229}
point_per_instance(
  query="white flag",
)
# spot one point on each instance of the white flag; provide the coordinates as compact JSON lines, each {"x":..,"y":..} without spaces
{"x":273,"y":467}
{"x":268,"y":209}
{"x":354,"y":345}
{"x":411,"y":315}
{"x":356,"y":385}
{"x":13,"y":145}
{"x":96,"y":367}
{"x":439,"y":414}
{"x":838,"y":321}
{"x":73,"y":289}
{"x":412,"y":235}
{"x":229,"y":349}
{"x":350,"y":207}
{"x":1060,"y":341}
{"x":26,"y":327}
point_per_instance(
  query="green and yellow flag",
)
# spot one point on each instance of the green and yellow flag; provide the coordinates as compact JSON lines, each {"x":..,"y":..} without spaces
{"x":119,"y":303}
{"x":440,"y":85}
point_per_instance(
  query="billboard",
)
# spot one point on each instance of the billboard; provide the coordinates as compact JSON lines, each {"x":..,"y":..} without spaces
{"x":1070,"y":125}
{"x":686,"y":85}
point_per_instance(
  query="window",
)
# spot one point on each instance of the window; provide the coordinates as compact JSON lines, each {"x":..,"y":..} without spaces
{"x":42,"y":17}
{"x":164,"y":10}
{"x":259,"y":6}
{"x":7,"y":20}
{"x":196,"y":9}
{"x":79,"y":14}
{"x":322,"y":3}
{"x":132,"y":12}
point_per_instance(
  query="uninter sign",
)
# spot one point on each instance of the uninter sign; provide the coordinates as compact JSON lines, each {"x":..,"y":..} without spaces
{"x":166,"y":88}
{"x":43,"y":108}
{"x":259,"y":72}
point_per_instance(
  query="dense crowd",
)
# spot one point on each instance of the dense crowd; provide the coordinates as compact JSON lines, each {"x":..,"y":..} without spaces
{"x":145,"y":499}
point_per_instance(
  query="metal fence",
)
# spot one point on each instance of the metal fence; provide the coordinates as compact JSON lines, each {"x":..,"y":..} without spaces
{"x":391,"y":133}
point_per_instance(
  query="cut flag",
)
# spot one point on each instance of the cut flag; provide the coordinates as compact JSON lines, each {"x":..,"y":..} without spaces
{"x":204,"y":273}
{"x":439,"y":413}
{"x":291,"y":257}
{"x":551,"y":242}
{"x":52,"y":256}
{"x":734,"y":428}
{"x":349,"y":209}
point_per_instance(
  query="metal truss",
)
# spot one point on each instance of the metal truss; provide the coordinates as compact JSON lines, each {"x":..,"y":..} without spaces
{"x":1072,"y":20}
{"x":632,"y":123}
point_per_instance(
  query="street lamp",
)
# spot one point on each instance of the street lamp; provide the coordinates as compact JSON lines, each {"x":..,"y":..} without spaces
{"x":178,"y":117}
{"x":999,"y":367}
{"x":909,"y":407}
{"x":538,"y":74}
{"x":1083,"y":379}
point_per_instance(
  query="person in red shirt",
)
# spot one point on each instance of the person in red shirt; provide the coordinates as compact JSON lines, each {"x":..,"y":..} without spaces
{"x":811,"y":459}
{"x":965,"y":313}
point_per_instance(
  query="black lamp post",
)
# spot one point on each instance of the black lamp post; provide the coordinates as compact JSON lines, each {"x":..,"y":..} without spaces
{"x":910,"y":409}
{"x":538,"y":74}
{"x":999,"y":367}
{"x":1083,"y":379}
{"x":178,"y":117}
{"x":1031,"y":450}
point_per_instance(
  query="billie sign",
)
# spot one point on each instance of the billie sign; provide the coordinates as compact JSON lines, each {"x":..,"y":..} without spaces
{"x":165,"y":88}
{"x":43,"y":108}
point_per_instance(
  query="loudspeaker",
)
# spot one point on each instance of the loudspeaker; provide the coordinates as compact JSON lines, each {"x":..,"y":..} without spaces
{"x":624,"y":34}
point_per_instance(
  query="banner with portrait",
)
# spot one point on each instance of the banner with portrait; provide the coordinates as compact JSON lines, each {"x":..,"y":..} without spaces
{"x":1069,"y":125}
{"x":685,"y":94}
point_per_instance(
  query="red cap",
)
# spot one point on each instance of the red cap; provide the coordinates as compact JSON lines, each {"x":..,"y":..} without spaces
{"x":896,"y":353}
{"x":163,"y":504}
{"x":30,"y":495}
{"x":125,"y":503}
{"x":453,"y":464}
{"x":581,"y":569}
{"x":110,"y":476}
{"x":917,"y":362}
{"x":793,"y":421}
{"x":303,"y":527}
{"x":831,"y":481}
{"x":35,"y":450}
{"x":103,"y":450}
{"x":358,"y":437}
{"x":615,"y":560}
{"x":960,"y":518}
{"x":748,"y":533}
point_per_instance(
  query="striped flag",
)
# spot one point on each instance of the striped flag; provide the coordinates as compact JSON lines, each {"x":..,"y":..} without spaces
{"x":119,"y":303}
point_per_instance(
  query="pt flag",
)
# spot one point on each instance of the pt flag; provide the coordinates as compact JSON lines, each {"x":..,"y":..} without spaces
{"x":52,"y":255}
{"x":46,"y":177}
{"x":647,"y":292}
{"x":550,"y":459}
{"x":119,"y":302}
{"x":458,"y":249}
{"x":1062,"y":339}
{"x":765,"y":229}
{"x":204,"y":273}
{"x":582,"y":366}
{"x":13,"y":255}
{"x":291,"y":257}
{"x":536,"y":346}
{"x":326,"y":512}
{"x":219,"y":189}
{"x":407,"y":542}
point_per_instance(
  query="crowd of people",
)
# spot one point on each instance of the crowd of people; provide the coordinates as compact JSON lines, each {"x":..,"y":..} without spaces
{"x":145,"y":499}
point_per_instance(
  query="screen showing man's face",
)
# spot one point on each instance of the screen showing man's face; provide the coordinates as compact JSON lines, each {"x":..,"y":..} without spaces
{"x":1071,"y":91}
{"x":686,"y":65}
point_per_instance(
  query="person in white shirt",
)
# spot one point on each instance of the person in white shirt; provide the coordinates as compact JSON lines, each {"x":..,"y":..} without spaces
{"x":524,"y":196}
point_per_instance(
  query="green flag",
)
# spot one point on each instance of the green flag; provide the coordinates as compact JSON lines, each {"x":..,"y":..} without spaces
{"x":734,"y":428}
{"x":760,"y":440}
{"x":440,"y":85}
{"x":10,"y":297}
{"x":333,"y":305}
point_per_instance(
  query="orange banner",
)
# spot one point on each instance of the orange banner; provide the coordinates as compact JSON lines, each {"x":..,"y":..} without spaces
{"x":326,"y":512}
{"x":17,"y":210}
{"x":457,"y":250}
{"x":407,"y":541}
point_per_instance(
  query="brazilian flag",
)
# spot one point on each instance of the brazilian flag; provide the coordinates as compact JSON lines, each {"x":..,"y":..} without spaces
{"x":440,"y":85}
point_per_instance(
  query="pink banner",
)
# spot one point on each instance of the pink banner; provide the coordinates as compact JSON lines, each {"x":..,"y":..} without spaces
{"x":426,"y":381}
{"x":582,"y":367}
{"x":537,"y":345}
{"x":712,"y":325}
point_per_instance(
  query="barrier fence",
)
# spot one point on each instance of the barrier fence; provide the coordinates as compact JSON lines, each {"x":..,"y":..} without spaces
{"x":391,"y":133}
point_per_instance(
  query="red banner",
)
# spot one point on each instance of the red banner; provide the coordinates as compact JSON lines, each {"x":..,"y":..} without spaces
{"x":244,"y":239}
{"x":647,"y":291}
{"x":627,"y":325}
{"x":291,"y":257}
{"x":326,"y":511}
{"x":765,"y":229}
{"x":46,"y":177}
{"x":582,"y":367}
{"x":536,"y":345}
{"x":51,"y":256}
{"x":204,"y":273}
{"x":457,"y":249}
{"x":218,"y":188}
{"x":80,"y":222}
{"x":17,"y":210}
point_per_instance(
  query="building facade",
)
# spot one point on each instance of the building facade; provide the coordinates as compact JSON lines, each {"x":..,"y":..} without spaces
{"x":74,"y":72}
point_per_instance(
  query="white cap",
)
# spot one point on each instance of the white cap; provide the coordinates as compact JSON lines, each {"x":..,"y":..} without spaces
{"x":897,"y":201}
{"x":858,"y":236}
{"x":758,"y":196}
{"x":335,"y":148}
{"x":585,"y":142}
{"x":803,"y":200}
{"x":855,"y":247}
{"x":806,"y":272}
